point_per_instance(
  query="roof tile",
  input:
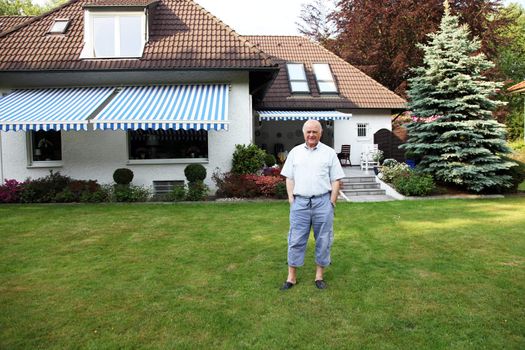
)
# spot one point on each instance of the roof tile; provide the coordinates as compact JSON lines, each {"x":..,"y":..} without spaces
{"x":356,"y":89}
{"x":177,"y":29}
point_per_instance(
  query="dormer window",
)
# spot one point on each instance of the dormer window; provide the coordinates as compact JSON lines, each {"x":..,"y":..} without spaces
{"x":121,"y":34}
{"x":325,"y":79}
{"x":59,"y":26}
{"x":297,"y":77}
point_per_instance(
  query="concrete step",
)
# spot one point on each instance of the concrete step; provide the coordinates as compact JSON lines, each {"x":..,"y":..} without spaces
{"x":358,"y":179}
{"x":363,"y":192}
{"x":360,"y":185}
{"x":372,"y":198}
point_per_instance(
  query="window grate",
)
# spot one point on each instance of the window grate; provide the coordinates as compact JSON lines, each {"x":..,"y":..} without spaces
{"x":165,"y":186}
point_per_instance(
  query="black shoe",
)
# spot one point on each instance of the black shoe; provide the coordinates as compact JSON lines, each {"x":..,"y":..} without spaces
{"x":287,"y":285}
{"x":321,"y":284}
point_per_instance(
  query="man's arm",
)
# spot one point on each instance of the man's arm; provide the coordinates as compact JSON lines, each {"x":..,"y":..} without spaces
{"x":290,"y":184}
{"x":335,"y":191}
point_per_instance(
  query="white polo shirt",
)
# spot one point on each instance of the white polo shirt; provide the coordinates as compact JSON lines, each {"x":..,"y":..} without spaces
{"x":312,"y":170}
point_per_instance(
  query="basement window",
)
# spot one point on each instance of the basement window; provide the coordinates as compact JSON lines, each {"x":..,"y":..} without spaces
{"x":59,"y":26}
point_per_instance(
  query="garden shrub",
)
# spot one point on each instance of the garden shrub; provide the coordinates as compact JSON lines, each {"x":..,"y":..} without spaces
{"x":82,"y":191}
{"x":280,"y":190}
{"x":272,"y":171}
{"x":414,"y":184}
{"x":10,"y":191}
{"x":269,"y":160}
{"x":247,"y":159}
{"x":44,"y":189}
{"x":177,"y":194}
{"x":197,"y":191}
{"x":195,"y":172}
{"x":390,"y":173}
{"x":123,"y":176}
{"x":130,"y":193}
{"x":390,"y":162}
{"x":517,"y":174}
{"x":230,"y":185}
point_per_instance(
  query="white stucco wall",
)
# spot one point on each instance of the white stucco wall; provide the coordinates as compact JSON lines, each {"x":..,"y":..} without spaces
{"x":345,"y":131}
{"x":96,"y":154}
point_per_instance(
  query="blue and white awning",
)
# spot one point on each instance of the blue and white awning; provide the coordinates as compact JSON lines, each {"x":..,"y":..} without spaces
{"x":302,"y":115}
{"x":167,"y":106}
{"x":54,"y":108}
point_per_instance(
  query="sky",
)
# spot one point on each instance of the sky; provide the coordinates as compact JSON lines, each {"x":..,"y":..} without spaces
{"x":270,"y":17}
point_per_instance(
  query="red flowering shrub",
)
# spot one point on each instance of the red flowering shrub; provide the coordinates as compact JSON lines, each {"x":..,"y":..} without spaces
{"x":10,"y":191}
{"x":247,"y":186}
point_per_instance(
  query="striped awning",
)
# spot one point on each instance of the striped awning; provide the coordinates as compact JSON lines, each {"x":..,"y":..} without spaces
{"x":167,"y":106}
{"x":53,"y":108}
{"x":302,"y":115}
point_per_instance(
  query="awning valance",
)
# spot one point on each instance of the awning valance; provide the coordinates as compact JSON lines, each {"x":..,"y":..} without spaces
{"x":54,"y":108}
{"x":168,"y":106}
{"x":302,"y":115}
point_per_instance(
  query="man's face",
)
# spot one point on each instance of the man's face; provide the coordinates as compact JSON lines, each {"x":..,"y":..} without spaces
{"x":312,"y":133}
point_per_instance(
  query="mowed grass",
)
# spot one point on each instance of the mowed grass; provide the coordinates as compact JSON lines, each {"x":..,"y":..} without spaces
{"x":443,"y":274}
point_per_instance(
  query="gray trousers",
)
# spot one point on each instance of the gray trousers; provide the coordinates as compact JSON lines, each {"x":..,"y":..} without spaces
{"x":305,"y":214}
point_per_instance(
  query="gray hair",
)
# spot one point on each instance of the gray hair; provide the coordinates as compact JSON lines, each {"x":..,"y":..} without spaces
{"x":313,"y":121}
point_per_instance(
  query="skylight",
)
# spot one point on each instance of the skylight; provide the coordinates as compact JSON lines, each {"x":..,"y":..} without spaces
{"x":325,"y":79}
{"x":59,"y":26}
{"x":297,"y":76}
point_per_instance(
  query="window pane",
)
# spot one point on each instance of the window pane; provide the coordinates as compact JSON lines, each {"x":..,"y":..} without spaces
{"x":327,"y":86}
{"x":296,"y":71}
{"x":322,"y":72}
{"x":59,"y":26}
{"x":130,"y":36}
{"x":361,"y":130}
{"x":299,"y":86}
{"x":104,"y":36}
{"x":46,"y":145}
{"x":168,"y":144}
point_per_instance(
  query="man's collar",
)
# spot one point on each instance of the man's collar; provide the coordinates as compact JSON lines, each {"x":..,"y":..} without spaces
{"x":314,"y":148}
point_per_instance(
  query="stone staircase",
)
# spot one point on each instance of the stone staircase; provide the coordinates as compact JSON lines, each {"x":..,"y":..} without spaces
{"x":362,"y":188}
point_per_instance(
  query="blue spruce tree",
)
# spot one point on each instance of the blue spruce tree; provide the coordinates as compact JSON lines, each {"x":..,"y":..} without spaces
{"x":454,"y":134}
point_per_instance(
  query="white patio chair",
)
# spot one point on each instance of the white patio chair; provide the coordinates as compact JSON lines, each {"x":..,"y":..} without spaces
{"x":368,"y":152}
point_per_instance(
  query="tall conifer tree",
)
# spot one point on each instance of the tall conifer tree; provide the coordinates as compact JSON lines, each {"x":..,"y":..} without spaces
{"x":454,"y":133}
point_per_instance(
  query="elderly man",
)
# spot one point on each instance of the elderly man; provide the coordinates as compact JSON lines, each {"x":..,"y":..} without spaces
{"x":312,"y":172}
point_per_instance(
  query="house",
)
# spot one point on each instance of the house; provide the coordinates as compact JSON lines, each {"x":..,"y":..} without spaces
{"x":83,"y":96}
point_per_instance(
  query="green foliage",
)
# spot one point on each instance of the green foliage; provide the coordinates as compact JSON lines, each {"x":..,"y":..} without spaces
{"x":394,"y":170}
{"x":178,"y":193}
{"x":269,"y":160}
{"x":123,"y":176}
{"x":44,"y":189}
{"x":414,"y":184}
{"x":195,"y":172}
{"x":247,"y":159}
{"x":280,"y":190}
{"x":455,"y":137}
{"x":511,"y":55}
{"x":197,"y":191}
{"x":130,"y":193}
{"x":20,"y":8}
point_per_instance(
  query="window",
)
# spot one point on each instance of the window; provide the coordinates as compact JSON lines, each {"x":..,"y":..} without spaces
{"x":362,"y":130}
{"x":167,"y":144}
{"x":46,"y":146}
{"x":325,"y":79}
{"x":112,"y":35}
{"x":59,"y":26}
{"x":297,"y":77}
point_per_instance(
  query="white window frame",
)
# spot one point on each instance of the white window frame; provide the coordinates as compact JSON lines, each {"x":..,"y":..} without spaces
{"x":361,"y":126}
{"x":303,"y":80}
{"x":89,"y":15}
{"x":31,"y":163}
{"x":59,"y":26}
{"x":316,"y":67}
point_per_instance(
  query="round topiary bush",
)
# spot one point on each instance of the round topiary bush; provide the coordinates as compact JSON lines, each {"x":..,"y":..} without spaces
{"x":247,"y":159}
{"x":123,"y":176}
{"x":195,"y":172}
{"x":269,"y":160}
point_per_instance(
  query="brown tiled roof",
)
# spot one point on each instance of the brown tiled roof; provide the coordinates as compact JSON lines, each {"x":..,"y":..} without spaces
{"x":519,"y":87}
{"x":8,"y":22}
{"x":119,"y":3}
{"x":356,"y":89}
{"x":183,"y":35}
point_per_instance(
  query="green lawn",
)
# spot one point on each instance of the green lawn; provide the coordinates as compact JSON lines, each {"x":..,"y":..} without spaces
{"x":446,"y":274}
